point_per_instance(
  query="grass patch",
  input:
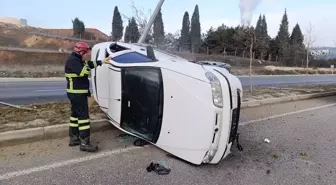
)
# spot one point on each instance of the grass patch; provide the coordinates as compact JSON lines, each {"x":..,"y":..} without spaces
{"x":52,"y":113}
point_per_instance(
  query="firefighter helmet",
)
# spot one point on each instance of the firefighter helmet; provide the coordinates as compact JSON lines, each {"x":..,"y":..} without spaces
{"x":82,"y":46}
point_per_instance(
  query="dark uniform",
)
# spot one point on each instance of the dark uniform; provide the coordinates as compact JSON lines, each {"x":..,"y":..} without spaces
{"x":76,"y":73}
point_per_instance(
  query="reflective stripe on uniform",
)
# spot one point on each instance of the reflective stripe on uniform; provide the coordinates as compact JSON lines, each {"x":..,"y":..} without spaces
{"x":73,"y":119}
{"x":84,"y":127}
{"x":84,"y":124}
{"x":77,"y":91}
{"x":73,"y":125}
{"x":84,"y":71}
{"x":74,"y":75}
{"x":73,"y":122}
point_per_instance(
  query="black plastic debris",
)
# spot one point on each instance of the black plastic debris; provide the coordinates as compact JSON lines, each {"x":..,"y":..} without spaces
{"x":240,"y":148}
{"x":140,"y":142}
{"x":158,"y":168}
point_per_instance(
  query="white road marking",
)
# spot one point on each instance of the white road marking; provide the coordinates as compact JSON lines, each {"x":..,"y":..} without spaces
{"x":50,"y":90}
{"x":286,"y":114}
{"x":28,"y":171}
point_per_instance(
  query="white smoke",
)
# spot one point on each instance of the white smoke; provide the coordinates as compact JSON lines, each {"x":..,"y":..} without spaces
{"x":246,"y":10}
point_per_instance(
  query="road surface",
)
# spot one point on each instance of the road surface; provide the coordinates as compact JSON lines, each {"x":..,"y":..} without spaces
{"x":43,"y":91}
{"x":301,"y":151}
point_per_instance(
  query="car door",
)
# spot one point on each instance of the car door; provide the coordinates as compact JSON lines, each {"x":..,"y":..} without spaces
{"x":136,"y":95}
{"x":114,"y":102}
{"x":142,"y":101}
{"x":101,"y":81}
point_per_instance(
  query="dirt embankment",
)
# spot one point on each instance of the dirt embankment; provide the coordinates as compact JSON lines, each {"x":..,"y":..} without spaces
{"x":31,"y":58}
{"x":30,"y":64}
{"x":32,"y":37}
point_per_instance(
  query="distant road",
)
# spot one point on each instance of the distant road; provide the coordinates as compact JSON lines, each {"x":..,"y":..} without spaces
{"x":27,"y":92}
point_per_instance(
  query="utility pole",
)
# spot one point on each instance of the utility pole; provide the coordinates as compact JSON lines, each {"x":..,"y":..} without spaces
{"x":150,"y":22}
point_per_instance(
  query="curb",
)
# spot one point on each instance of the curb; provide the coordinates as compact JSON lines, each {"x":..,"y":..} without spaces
{"x":16,"y":137}
{"x":258,"y":103}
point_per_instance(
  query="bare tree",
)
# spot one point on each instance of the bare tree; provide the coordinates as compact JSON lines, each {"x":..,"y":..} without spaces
{"x":309,"y":40}
{"x":140,"y":16}
{"x":252,"y":41}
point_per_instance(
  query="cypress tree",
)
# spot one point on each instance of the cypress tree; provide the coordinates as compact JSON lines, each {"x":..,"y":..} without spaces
{"x":158,"y":30}
{"x":283,"y":39}
{"x":264,"y":28}
{"x":78,"y":27}
{"x":296,"y":45}
{"x":296,"y":37}
{"x":117,"y":25}
{"x":195,"y":31}
{"x":127,"y":37}
{"x":134,"y":31}
{"x":185,"y":32}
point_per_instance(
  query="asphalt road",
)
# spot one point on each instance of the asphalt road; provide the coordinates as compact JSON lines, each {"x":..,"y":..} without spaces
{"x":301,"y":151}
{"x":28,"y":92}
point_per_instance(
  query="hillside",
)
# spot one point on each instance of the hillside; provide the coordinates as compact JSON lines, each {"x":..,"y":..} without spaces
{"x":90,"y":33}
{"x":31,"y":37}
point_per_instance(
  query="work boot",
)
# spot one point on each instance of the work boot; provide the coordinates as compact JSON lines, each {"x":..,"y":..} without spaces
{"x":86,"y":146}
{"x":74,"y":139}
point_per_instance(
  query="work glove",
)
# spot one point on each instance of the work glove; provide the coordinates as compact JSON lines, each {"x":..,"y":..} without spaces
{"x":107,"y":60}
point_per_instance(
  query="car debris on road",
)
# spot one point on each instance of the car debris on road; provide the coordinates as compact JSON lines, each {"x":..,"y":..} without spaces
{"x":158,"y":168}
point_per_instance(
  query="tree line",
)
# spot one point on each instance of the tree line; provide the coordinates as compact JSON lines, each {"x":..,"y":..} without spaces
{"x":244,"y":41}
{"x":287,"y":48}
{"x":132,"y":32}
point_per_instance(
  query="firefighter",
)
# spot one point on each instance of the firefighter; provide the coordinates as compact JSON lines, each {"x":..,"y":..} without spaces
{"x":76,"y":73}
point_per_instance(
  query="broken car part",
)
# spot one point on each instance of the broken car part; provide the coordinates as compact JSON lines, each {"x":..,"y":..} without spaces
{"x":158,"y":168}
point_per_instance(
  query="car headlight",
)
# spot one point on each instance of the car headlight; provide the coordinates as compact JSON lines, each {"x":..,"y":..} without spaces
{"x":216,"y":89}
{"x":209,"y":156}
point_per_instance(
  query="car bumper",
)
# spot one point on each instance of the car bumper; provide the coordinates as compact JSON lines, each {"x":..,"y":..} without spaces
{"x":229,"y":125}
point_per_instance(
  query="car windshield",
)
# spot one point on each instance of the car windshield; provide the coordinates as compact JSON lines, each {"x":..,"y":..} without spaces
{"x":132,"y":57}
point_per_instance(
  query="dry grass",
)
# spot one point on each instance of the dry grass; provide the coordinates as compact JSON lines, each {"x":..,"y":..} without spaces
{"x":299,"y":70}
{"x":261,"y":93}
{"x":42,"y":115}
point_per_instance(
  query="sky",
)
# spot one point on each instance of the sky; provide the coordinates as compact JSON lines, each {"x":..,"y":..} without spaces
{"x":320,"y":14}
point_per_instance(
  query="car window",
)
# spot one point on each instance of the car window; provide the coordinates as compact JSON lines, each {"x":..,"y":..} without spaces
{"x":132,"y":57}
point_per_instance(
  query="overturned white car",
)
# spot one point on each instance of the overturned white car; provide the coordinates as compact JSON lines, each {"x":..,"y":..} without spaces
{"x":187,"y":109}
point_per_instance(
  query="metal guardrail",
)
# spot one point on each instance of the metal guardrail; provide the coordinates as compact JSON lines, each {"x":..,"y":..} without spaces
{"x":32,"y":50}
